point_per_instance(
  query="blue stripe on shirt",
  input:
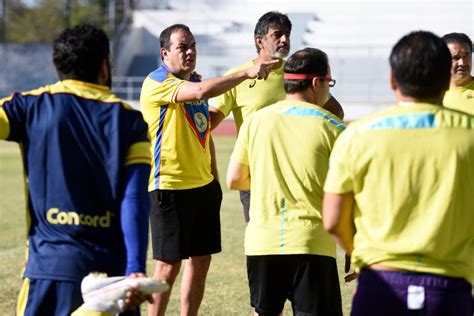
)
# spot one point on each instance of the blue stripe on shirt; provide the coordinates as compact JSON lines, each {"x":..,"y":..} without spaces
{"x":157,"y":151}
{"x":412,"y":120}
{"x":301,"y":111}
{"x":283,"y":209}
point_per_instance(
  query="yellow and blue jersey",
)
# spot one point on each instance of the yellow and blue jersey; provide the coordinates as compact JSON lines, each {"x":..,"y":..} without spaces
{"x":179,"y":133}
{"x":77,"y":139}
{"x":411,"y":169}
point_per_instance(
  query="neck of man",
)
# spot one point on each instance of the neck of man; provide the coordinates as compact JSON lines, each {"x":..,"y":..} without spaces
{"x":185,"y":75}
{"x":264,"y":58}
{"x":99,"y":81}
{"x":460,"y":83}
{"x":407,"y":99}
{"x":182,"y":74}
{"x":304,"y":96}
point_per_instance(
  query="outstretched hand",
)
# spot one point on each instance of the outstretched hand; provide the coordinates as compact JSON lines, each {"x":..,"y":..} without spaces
{"x":262,"y":70}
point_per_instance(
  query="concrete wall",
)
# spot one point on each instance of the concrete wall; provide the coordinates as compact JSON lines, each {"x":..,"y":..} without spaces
{"x":25,"y":67}
{"x":138,"y":41}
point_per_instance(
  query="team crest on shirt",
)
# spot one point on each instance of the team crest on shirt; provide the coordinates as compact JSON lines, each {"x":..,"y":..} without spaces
{"x":201,"y":122}
{"x":197,"y":115}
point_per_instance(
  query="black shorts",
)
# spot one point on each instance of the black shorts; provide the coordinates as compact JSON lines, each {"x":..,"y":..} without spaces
{"x":245,"y":200}
{"x":186,"y":223}
{"x":309,"y":282}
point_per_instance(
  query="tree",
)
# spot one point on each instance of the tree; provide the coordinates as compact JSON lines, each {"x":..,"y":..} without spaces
{"x":44,"y":21}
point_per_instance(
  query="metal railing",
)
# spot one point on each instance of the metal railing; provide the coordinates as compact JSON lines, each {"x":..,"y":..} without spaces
{"x":127,"y":88}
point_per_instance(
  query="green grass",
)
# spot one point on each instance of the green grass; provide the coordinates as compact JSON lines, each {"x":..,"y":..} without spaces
{"x":226,"y":290}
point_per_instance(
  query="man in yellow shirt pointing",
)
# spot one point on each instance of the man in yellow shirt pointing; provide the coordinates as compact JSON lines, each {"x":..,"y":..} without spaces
{"x":185,"y":193}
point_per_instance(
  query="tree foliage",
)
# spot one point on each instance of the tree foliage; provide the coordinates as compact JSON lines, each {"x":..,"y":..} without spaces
{"x":44,"y":21}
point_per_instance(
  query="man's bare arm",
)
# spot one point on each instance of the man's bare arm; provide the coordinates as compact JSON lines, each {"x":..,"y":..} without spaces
{"x":216,"y":117}
{"x":238,"y":176}
{"x":212,"y":148}
{"x":192,"y":91}
{"x":333,"y":106}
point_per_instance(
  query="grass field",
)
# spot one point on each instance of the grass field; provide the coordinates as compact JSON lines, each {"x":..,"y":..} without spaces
{"x":226,"y":291}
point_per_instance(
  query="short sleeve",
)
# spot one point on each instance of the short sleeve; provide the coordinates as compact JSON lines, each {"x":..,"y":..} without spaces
{"x":4,"y":124}
{"x":240,"y":153}
{"x":225,"y":102}
{"x":139,"y":151}
{"x":12,"y":118}
{"x":340,"y":178}
{"x":156,"y":93}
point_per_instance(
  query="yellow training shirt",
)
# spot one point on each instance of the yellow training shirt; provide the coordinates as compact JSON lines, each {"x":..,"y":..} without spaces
{"x":411,"y":169}
{"x":179,"y":133}
{"x":287,"y":146}
{"x":461,"y":98}
{"x":251,"y":95}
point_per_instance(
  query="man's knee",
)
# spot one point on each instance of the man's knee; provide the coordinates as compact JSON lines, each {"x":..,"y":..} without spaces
{"x":200,"y":261}
{"x":167,"y":269}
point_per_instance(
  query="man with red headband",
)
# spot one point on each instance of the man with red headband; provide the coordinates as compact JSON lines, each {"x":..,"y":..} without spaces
{"x":272,"y":41}
{"x":282,"y":154}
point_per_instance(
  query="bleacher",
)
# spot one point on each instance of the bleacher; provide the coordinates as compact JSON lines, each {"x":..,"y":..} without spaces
{"x":357,"y":35}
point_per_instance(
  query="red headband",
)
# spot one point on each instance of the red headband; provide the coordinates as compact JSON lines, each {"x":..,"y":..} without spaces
{"x":298,"y":76}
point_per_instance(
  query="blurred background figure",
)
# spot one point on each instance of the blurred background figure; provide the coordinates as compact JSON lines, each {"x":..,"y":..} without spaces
{"x":460,"y":95}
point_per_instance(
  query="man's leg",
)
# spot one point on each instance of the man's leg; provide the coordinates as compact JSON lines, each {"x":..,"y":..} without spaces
{"x":193,"y":284}
{"x":315,"y":289}
{"x":204,"y":239}
{"x":167,"y":227}
{"x":269,"y":279}
{"x":167,"y":271}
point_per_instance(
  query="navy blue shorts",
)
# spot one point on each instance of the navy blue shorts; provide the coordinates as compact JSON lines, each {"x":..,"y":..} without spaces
{"x":186,"y":223}
{"x":52,"y":298}
{"x":309,"y":282}
{"x":48,"y":297}
{"x":399,"y":293}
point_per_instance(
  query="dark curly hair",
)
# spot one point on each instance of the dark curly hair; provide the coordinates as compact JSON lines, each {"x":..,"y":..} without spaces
{"x":78,"y":52}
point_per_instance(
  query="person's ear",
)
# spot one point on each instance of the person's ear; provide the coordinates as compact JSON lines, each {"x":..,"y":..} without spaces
{"x":315,"y":82}
{"x":258,"y":41}
{"x":104,"y":72}
{"x":393,"y":83}
{"x":163,"y":53}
